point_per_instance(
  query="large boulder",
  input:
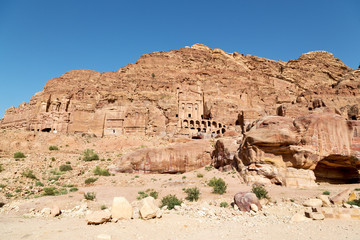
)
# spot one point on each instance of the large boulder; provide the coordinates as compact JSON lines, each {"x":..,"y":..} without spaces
{"x":148,"y":209}
{"x":121,"y":208}
{"x":244,"y":200}
{"x":98,"y":217}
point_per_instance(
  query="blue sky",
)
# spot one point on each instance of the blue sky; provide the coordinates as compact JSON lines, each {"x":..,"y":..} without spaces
{"x":43,"y":39}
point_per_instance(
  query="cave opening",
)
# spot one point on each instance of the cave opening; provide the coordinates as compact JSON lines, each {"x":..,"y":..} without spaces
{"x":339,"y":173}
{"x":46,"y":130}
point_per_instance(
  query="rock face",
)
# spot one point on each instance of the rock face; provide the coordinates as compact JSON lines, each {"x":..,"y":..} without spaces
{"x":319,"y":146}
{"x":299,"y":118}
{"x":173,"y":159}
{"x":188,"y":91}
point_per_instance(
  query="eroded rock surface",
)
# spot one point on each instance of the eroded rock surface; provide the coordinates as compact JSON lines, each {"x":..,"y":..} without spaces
{"x":319,"y":146}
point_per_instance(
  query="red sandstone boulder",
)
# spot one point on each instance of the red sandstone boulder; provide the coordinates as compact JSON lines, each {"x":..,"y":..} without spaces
{"x":322,"y":142}
{"x":244,"y":200}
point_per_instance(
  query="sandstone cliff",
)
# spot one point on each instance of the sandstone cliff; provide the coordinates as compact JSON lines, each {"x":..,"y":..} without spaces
{"x":186,"y":91}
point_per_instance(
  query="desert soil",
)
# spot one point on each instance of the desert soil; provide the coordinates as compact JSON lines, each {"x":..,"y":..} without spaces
{"x":273,"y":222}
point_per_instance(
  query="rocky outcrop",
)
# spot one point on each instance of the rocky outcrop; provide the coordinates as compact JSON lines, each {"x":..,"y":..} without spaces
{"x":177,"y":158}
{"x":321,"y":146}
{"x":186,"y":91}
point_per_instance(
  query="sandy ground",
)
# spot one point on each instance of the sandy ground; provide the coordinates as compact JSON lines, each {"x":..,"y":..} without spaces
{"x":275,"y":225}
{"x":175,"y":227}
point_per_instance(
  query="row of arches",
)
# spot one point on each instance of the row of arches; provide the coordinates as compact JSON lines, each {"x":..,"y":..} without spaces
{"x":205,"y":126}
{"x":188,"y":123}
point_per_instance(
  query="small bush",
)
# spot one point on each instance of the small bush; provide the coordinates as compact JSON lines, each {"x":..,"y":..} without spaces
{"x":39,"y":184}
{"x":103,"y":207}
{"x":90,"y":180}
{"x":90,"y":155}
{"x":89,"y":196}
{"x":224,"y":204}
{"x":29,"y":174}
{"x":68,"y":162}
{"x":142,"y":195}
{"x":65,"y":168}
{"x":183,"y":177}
{"x":154,"y":194}
{"x":208,"y":168}
{"x":49,"y":191}
{"x":218,"y":184}
{"x":354,"y":202}
{"x":1,"y":168}
{"x":101,"y":172}
{"x":73,"y":189}
{"x":19,"y":155}
{"x":148,"y":192}
{"x":8,"y":195}
{"x":53,"y":159}
{"x":53,"y":148}
{"x":192,"y":194}
{"x":326,"y":193}
{"x":260,"y":192}
{"x":200,"y":175}
{"x":170,"y":201}
{"x":55,"y":172}
{"x":357,"y":189}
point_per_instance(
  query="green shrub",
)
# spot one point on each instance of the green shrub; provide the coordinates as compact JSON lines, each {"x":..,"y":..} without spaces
{"x":89,"y":196}
{"x":29,"y":174}
{"x":73,"y":189}
{"x":170,"y":201}
{"x":357,"y":189}
{"x":90,"y":180}
{"x":354,"y":202}
{"x":65,"y":168}
{"x":154,"y":194}
{"x":19,"y":155}
{"x":90,"y":155}
{"x":55,"y":172}
{"x":326,"y":193}
{"x":101,"y":172}
{"x":39,"y":184}
{"x":148,"y":192}
{"x":1,"y":168}
{"x":218,"y":184}
{"x":208,"y":168}
{"x":200,"y":175}
{"x":142,"y":195}
{"x":183,"y":177}
{"x":103,"y":207}
{"x":52,"y":148}
{"x":61,"y":191}
{"x":192,"y":194}
{"x":53,"y":159}
{"x":224,"y":204}
{"x":260,"y":192}
{"x":68,"y":162}
{"x":8,"y":195}
{"x":49,"y":191}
